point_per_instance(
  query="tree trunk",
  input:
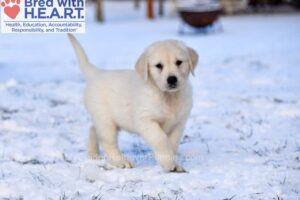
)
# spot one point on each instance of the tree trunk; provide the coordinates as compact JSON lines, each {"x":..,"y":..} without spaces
{"x":136,"y":4}
{"x":150,"y":9}
{"x":99,"y":11}
{"x":161,"y":7}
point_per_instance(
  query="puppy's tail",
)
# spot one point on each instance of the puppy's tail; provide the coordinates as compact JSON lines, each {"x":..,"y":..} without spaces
{"x":86,"y":67}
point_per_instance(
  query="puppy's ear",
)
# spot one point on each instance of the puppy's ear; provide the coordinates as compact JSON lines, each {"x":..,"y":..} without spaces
{"x":141,"y":66}
{"x":193,"y":59}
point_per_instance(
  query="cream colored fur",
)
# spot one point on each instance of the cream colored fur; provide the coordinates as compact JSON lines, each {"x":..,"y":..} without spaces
{"x":140,"y":102}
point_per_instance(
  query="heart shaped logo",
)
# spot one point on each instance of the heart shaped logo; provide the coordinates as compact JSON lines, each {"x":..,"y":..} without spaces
{"x":11,"y":8}
{"x":12,"y":12}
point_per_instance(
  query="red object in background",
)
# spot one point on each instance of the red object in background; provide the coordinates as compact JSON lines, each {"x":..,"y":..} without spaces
{"x":200,"y":16}
{"x":150,"y":14}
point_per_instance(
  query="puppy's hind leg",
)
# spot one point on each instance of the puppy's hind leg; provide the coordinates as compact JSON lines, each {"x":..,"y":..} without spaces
{"x":108,"y":140}
{"x":93,"y":144}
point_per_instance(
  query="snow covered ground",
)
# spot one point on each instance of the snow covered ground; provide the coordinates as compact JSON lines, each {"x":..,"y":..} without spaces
{"x":242,"y":140}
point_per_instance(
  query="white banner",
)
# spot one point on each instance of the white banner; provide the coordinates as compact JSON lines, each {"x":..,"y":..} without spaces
{"x":42,"y":16}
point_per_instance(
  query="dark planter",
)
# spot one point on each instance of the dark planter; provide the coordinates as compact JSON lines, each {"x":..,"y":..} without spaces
{"x":200,"y":16}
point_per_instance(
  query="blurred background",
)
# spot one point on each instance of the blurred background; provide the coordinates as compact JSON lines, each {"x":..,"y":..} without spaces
{"x":227,"y":7}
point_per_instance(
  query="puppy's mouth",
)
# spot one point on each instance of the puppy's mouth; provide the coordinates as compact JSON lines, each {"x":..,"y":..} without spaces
{"x":173,"y":88}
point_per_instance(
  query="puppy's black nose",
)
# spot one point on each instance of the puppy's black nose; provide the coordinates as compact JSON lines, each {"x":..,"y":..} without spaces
{"x":172,"y":80}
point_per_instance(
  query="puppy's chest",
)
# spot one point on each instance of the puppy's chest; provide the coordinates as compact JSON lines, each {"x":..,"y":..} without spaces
{"x":173,"y":111}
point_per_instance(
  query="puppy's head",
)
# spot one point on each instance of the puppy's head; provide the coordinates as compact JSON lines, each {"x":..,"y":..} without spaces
{"x":167,"y":64}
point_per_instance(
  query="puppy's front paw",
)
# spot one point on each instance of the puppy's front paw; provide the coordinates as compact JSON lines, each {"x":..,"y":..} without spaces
{"x":178,"y":169}
{"x":122,"y":163}
{"x":173,"y":167}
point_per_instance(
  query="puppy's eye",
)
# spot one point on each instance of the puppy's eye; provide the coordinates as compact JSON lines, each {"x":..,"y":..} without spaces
{"x":159,"y":66}
{"x":178,"y":62}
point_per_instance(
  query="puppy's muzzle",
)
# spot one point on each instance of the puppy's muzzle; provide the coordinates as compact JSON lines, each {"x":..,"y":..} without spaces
{"x":172,"y":82}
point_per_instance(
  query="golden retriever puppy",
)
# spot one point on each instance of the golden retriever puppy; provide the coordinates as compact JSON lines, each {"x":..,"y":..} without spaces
{"x":154,"y":102}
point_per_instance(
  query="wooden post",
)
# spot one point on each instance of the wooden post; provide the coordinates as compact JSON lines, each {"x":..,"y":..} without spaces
{"x":150,"y":14}
{"x":136,"y":4}
{"x":161,"y":7}
{"x":99,"y":11}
